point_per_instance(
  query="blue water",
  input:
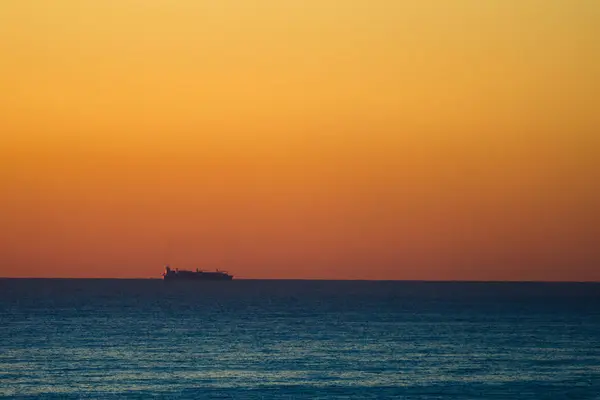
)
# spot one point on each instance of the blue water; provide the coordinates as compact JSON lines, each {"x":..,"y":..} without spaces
{"x":298,"y":339}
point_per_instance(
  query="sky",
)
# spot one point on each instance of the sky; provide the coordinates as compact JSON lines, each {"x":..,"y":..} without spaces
{"x":313,"y":139}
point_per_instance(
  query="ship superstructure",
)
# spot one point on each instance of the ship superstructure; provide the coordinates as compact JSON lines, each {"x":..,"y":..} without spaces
{"x":198,"y":275}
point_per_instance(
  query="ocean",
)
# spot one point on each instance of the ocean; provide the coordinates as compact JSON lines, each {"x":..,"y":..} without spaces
{"x":295,"y":339}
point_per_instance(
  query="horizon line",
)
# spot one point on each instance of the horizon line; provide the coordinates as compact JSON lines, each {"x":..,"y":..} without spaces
{"x":319,"y":279}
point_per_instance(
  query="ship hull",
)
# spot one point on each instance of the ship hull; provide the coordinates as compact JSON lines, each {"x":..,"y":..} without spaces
{"x":198,"y":277}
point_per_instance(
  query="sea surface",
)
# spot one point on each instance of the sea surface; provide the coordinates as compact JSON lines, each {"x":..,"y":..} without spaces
{"x":269,"y":339}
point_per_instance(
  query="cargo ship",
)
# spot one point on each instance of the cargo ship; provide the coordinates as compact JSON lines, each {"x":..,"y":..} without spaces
{"x":198,"y":275}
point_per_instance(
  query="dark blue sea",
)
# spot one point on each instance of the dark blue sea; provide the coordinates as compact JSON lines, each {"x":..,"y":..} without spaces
{"x":268,"y":339}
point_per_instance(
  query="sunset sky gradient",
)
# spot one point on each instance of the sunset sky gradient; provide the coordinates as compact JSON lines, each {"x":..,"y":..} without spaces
{"x":346,"y":139}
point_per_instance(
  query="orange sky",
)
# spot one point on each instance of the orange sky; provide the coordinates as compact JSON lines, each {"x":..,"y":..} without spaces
{"x":345,"y":139}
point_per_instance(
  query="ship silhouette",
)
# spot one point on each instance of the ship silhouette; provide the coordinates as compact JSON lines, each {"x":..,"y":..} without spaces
{"x":198,"y":275}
